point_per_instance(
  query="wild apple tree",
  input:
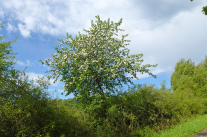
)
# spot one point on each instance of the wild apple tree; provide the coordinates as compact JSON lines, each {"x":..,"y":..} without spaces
{"x":94,"y":61}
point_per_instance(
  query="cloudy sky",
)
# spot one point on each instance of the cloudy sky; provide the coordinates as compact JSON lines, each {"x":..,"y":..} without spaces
{"x":164,"y":31}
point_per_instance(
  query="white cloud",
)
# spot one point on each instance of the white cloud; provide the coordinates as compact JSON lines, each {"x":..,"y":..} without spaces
{"x":10,"y":27}
{"x":34,"y":76}
{"x":1,"y":13}
{"x":164,"y":31}
{"x":24,"y":31}
{"x":23,"y":64}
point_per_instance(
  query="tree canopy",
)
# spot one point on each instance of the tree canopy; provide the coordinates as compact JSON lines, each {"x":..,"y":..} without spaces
{"x":200,"y":78}
{"x":203,"y":63}
{"x":96,"y":62}
{"x":24,"y":108}
{"x":6,"y":61}
{"x":189,"y":76}
{"x":181,"y":77}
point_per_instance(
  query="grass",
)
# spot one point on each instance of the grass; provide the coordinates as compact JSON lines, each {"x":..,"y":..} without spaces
{"x":191,"y":127}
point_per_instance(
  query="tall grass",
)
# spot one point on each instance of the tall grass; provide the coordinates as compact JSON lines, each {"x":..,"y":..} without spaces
{"x":191,"y":127}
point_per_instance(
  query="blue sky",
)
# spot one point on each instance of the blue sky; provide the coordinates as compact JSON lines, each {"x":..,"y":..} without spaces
{"x":163,"y":31}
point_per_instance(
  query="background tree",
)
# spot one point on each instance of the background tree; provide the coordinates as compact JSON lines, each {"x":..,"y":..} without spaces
{"x":189,"y":76}
{"x":204,"y":9}
{"x":21,"y":103}
{"x":203,"y":63}
{"x":200,"y":78}
{"x":182,"y":76}
{"x":6,"y":63}
{"x":95,"y":63}
{"x":25,"y":110}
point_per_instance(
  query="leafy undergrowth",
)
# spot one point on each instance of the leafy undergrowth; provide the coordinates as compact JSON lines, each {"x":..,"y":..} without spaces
{"x":144,"y":111}
{"x":141,"y":113}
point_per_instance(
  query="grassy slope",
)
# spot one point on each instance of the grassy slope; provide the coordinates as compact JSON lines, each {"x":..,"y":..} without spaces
{"x":185,"y":129}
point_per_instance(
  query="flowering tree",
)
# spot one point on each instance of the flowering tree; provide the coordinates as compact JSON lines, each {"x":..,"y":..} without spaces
{"x":94,"y":61}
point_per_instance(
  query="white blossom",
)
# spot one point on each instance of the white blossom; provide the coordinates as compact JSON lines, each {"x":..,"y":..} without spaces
{"x":92,"y":47}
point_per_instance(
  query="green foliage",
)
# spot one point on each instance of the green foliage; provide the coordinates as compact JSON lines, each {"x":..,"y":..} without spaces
{"x":182,"y":76}
{"x":5,"y":50}
{"x":203,"y":63}
{"x":200,"y":81}
{"x":22,"y":106}
{"x":6,"y":69}
{"x":6,"y":61}
{"x":26,"y":110}
{"x":191,"y":78}
{"x":95,"y":63}
{"x":139,"y":108}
